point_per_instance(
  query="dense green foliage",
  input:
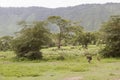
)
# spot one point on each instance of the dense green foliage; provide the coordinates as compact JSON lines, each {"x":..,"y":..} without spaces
{"x":30,"y":40}
{"x":111,"y":36}
{"x":77,"y":36}
{"x":74,"y":36}
{"x":86,"y":39}
{"x":5,"y":43}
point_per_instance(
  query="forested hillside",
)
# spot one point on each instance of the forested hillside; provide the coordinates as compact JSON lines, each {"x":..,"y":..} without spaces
{"x":90,"y":16}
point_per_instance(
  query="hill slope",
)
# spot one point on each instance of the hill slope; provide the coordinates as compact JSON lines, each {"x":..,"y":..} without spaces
{"x":89,"y":15}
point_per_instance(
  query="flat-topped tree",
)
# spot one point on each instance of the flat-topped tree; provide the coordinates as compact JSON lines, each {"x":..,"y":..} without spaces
{"x":62,"y":24}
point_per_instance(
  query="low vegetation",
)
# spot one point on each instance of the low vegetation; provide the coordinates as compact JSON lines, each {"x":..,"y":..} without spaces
{"x":52,"y":67}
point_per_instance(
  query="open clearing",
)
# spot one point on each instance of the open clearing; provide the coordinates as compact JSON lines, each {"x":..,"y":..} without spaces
{"x":74,"y":67}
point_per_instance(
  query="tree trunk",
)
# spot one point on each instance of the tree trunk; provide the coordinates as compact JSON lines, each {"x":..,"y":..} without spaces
{"x":59,"y":41}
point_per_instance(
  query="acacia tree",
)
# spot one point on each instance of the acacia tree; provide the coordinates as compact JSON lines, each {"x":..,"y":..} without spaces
{"x":62,"y":24}
{"x":30,"y":39}
{"x":111,"y":30}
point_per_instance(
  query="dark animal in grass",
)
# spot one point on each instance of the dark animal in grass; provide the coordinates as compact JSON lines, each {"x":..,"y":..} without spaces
{"x":88,"y":55}
{"x":89,"y":58}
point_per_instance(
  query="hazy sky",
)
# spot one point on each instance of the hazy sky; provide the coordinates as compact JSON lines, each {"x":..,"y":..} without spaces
{"x":49,"y":3}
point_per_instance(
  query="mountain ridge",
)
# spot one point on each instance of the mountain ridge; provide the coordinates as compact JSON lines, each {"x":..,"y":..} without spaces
{"x":90,"y":16}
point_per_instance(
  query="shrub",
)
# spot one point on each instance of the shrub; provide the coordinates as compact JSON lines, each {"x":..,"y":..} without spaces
{"x":111,"y":32}
{"x":34,"y":55}
{"x":30,"y":40}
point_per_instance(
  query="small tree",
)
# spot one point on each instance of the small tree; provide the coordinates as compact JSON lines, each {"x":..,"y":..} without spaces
{"x":30,"y":39}
{"x":111,"y":30}
{"x":5,"y":43}
{"x":86,"y":39}
{"x":95,"y":37}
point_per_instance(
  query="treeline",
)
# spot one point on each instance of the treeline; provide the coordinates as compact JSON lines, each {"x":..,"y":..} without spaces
{"x":35,"y":35}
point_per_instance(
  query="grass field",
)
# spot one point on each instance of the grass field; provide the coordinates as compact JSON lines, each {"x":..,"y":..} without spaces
{"x":53,"y":68}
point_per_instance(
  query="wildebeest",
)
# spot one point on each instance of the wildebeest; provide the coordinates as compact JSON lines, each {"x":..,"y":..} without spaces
{"x":88,"y":55}
{"x":89,"y":58}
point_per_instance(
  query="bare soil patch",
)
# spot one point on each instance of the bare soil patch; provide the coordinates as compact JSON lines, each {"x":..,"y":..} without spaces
{"x":74,"y":78}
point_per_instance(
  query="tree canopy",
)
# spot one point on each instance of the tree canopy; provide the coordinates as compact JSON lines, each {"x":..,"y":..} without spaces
{"x":29,"y":40}
{"x":111,"y":31}
{"x":62,"y":24}
{"x":5,"y":43}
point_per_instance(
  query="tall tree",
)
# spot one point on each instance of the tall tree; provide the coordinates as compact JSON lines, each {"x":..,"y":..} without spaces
{"x":62,"y":24}
{"x":111,"y":30}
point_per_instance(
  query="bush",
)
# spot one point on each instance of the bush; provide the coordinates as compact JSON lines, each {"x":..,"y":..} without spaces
{"x":34,"y":55}
{"x":111,"y":32}
{"x":5,"y":43}
{"x":30,"y":40}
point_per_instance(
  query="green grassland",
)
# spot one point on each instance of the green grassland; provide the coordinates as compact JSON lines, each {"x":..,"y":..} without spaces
{"x":53,"y":67}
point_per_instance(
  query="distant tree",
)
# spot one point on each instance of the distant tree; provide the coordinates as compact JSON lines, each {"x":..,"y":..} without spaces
{"x":77,"y":36}
{"x":95,"y":37}
{"x":98,"y":38}
{"x":62,"y":24}
{"x":75,"y":33}
{"x":30,"y":40}
{"x":86,"y":39}
{"x":5,"y":43}
{"x":111,"y":30}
